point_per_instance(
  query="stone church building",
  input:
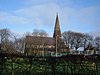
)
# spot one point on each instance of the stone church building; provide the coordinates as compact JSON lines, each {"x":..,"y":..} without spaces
{"x":43,"y":45}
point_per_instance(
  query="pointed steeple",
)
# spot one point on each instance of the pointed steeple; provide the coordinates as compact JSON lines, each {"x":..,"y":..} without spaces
{"x":57,"y":31}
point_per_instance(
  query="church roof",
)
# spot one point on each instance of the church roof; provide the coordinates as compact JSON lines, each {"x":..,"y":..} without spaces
{"x":40,"y":40}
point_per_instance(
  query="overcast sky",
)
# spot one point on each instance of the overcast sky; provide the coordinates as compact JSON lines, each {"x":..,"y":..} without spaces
{"x":25,"y":15}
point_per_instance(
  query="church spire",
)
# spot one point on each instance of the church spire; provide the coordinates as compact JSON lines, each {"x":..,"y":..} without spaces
{"x":57,"y":32}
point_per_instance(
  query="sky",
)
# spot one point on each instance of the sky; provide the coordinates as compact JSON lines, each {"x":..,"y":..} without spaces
{"x":22,"y":16}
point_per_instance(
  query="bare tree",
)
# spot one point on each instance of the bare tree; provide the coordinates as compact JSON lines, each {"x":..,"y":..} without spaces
{"x":36,"y":42}
{"x":72,"y":39}
{"x":97,"y":42}
{"x":40,"y":33}
{"x":27,"y":34}
{"x":77,"y":40}
{"x":87,"y":40}
{"x":4,"y":36}
{"x":20,"y":44}
{"x":68,"y":38}
{"x":41,"y":39}
{"x":35,"y":32}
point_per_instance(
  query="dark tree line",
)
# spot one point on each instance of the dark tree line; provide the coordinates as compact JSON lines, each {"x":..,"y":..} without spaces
{"x":73,"y":40}
{"x":11,"y":42}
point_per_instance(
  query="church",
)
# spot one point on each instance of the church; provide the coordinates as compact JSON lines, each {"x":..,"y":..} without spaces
{"x":35,"y":45}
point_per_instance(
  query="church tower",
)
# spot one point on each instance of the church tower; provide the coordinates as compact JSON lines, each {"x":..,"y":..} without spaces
{"x":57,"y":35}
{"x":57,"y":31}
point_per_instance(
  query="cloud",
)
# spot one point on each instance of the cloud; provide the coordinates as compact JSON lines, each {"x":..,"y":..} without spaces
{"x":38,"y":2}
{"x":88,"y":16}
{"x":46,"y":12}
{"x":41,"y":15}
{"x":9,"y":18}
